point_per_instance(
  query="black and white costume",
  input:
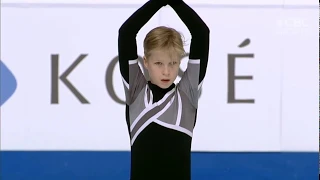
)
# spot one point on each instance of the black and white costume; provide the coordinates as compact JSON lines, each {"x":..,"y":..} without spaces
{"x":161,"y":121}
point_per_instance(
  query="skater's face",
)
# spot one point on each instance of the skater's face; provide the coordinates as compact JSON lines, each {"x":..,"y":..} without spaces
{"x":163,"y":67}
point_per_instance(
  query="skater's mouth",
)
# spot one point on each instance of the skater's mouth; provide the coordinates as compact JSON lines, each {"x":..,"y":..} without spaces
{"x":165,"y":80}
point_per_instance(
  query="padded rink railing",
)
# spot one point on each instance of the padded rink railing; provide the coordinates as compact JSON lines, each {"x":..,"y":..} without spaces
{"x":20,"y":160}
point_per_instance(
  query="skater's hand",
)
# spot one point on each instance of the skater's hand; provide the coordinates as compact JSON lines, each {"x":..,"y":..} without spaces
{"x":163,"y":2}
{"x":174,"y":2}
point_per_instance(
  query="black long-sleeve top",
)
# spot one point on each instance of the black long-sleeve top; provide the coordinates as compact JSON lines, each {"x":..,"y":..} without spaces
{"x":160,"y":121}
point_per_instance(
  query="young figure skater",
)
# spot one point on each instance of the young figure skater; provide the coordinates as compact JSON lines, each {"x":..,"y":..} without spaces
{"x":161,"y":115}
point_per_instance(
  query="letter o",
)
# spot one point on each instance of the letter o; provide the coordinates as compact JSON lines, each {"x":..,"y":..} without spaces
{"x":109,"y":81}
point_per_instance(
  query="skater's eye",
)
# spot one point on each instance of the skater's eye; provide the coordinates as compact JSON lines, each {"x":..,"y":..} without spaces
{"x":173,"y":63}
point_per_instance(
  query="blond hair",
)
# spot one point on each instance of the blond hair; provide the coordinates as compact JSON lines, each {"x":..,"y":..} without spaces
{"x":164,"y":38}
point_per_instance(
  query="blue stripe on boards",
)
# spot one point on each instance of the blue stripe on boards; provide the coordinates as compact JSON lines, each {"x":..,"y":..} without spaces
{"x":86,"y":165}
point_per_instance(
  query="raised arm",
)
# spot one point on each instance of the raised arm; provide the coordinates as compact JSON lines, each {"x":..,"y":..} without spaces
{"x":199,"y":47}
{"x":127,"y":46}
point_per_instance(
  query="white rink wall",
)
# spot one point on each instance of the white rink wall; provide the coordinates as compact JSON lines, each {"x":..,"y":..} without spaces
{"x":280,"y":44}
{"x":230,"y":2}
